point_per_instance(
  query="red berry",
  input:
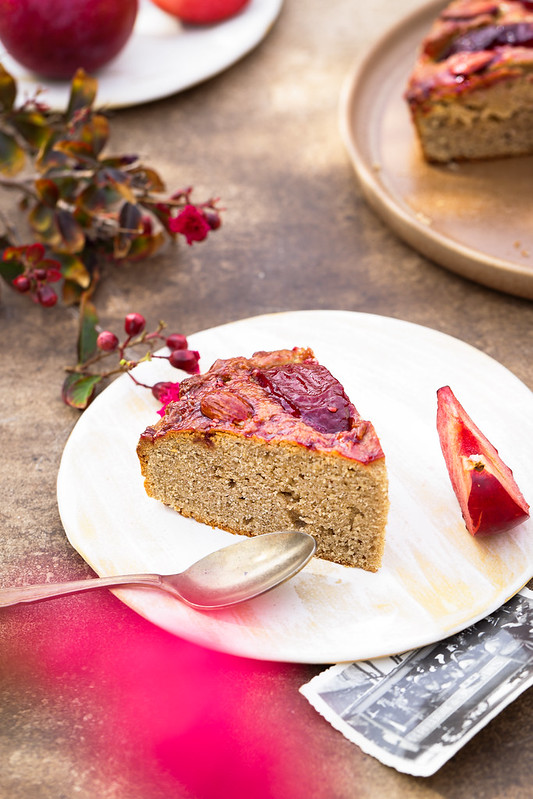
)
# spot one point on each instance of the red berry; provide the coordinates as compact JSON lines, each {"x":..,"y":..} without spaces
{"x":186,"y":360}
{"x":39,"y":274}
{"x":22,"y":283}
{"x":134,"y":323}
{"x":212,"y":218}
{"x":107,"y":341}
{"x":176,"y":342}
{"x":46,"y":296}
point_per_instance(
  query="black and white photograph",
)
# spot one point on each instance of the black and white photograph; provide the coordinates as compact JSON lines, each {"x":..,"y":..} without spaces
{"x":416,"y":710}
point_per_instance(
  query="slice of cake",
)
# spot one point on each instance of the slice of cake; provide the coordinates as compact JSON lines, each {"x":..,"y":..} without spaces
{"x":471,"y":91}
{"x":269,"y":443}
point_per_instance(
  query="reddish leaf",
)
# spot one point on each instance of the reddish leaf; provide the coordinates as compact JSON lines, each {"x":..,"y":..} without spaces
{"x":79,"y":150}
{"x":48,"y":191}
{"x":34,"y":253}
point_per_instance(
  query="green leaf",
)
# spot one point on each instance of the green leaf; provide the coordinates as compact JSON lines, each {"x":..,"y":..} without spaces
{"x":43,"y":221}
{"x":8,"y":89}
{"x":144,"y":246}
{"x":68,"y":187}
{"x":12,"y":156}
{"x":32,"y":126}
{"x":87,"y":333}
{"x":74,"y":270}
{"x":83,"y":91}
{"x":118,"y":180}
{"x":98,"y":198}
{"x":78,"y":390}
{"x":11,"y":269}
{"x":48,"y":157}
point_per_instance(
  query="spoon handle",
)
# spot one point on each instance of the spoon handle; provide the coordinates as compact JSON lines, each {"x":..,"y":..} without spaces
{"x":32,"y":593}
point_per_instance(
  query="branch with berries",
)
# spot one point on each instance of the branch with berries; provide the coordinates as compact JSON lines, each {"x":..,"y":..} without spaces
{"x":87,"y":212}
{"x":110,"y":356}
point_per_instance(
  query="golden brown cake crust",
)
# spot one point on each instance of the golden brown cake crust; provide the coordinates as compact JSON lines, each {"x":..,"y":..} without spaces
{"x":470,"y":92}
{"x":231,"y":398}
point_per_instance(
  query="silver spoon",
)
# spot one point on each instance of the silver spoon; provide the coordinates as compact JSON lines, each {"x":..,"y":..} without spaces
{"x":223,"y":578}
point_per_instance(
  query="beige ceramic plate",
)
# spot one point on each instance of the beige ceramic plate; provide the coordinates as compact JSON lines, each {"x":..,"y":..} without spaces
{"x":435,"y":578}
{"x":474,"y":219}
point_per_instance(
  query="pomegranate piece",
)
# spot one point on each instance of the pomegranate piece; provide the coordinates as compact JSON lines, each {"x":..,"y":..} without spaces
{"x":490,"y":500}
{"x":202,"y":12}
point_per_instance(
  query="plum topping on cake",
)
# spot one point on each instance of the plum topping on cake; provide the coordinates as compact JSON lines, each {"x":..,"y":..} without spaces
{"x":519,"y":34}
{"x":309,"y":391}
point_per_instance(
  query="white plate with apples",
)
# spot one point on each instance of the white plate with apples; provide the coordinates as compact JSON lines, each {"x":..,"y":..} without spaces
{"x":436,"y":578}
{"x":163,"y":56}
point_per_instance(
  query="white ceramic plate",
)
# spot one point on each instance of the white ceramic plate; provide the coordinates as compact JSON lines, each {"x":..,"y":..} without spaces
{"x":472,"y":218}
{"x":435,"y":579}
{"x":162,"y":57}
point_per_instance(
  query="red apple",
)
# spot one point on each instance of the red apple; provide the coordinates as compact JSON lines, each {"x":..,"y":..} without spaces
{"x":201,"y":12}
{"x":55,"y":37}
{"x":488,"y":495}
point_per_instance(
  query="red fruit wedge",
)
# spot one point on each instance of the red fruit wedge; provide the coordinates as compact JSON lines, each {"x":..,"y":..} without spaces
{"x":201,"y":12}
{"x":488,"y":495}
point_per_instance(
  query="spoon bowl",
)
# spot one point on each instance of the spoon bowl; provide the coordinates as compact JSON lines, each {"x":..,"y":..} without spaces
{"x":223,"y":578}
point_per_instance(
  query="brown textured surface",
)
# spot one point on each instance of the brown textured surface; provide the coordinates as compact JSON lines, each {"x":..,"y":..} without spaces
{"x":94,"y":701}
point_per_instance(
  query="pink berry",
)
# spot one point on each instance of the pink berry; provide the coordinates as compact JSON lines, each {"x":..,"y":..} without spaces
{"x":46,"y":296}
{"x":186,"y":360}
{"x":22,"y":283}
{"x":107,"y":341}
{"x":134,"y":323}
{"x":176,"y":342}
